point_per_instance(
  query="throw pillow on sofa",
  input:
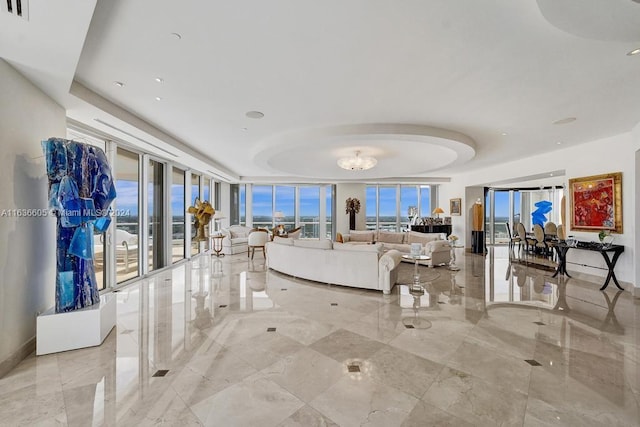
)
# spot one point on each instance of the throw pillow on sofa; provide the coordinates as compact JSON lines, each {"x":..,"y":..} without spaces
{"x":361,"y":236}
{"x":424,"y":238}
{"x":390,"y":237}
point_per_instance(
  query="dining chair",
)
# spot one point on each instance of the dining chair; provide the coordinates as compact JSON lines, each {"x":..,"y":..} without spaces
{"x":257,"y":239}
{"x":513,"y":239}
{"x":550,"y":230}
{"x":539,"y":238}
{"x":522,"y":233}
{"x":562,"y":236}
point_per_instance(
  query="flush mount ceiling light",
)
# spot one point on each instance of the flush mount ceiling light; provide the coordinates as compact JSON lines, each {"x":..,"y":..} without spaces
{"x":633,"y":52}
{"x":158,"y":98}
{"x":357,"y":163}
{"x":159,"y":79}
{"x":119,"y":84}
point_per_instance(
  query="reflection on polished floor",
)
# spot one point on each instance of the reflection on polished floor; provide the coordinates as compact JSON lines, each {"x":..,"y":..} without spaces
{"x":224,"y":342}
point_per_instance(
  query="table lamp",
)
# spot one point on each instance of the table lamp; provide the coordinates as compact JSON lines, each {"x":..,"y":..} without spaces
{"x":438,"y":211}
{"x":216,"y":218}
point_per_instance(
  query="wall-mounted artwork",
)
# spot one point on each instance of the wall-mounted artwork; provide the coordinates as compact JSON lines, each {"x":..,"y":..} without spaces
{"x":81,"y":189}
{"x":596,"y":202}
{"x":455,"y":207}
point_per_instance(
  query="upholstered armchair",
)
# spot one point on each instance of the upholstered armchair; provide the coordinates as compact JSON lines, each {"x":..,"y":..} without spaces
{"x":439,"y":251}
{"x":257,"y":239}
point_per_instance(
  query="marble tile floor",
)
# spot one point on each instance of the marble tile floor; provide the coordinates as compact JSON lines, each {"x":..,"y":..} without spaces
{"x":243,"y":346}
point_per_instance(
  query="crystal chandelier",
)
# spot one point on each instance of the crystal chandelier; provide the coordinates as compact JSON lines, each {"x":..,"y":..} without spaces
{"x":357,"y":163}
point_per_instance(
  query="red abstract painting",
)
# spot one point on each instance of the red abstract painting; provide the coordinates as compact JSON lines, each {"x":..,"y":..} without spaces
{"x":594,"y":204}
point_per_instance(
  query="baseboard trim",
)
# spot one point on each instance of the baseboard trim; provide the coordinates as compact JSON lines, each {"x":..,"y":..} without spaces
{"x":18,"y":356}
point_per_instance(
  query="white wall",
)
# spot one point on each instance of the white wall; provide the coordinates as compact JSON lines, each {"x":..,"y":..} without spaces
{"x":614,"y":154}
{"x":27,"y":245}
{"x":343,"y":192}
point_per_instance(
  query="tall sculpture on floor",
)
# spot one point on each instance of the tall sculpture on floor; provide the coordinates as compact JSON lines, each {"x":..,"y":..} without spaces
{"x":81,"y":189}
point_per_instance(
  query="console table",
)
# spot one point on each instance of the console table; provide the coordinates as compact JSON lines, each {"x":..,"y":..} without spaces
{"x":563,"y":248}
{"x":433,"y":228}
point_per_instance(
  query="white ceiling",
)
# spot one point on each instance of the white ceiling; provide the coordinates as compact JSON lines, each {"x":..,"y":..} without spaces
{"x":428,"y":87}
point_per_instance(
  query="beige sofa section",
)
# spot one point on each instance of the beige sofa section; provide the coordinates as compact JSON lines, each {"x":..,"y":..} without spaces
{"x":439,"y":250}
{"x":358,"y":266}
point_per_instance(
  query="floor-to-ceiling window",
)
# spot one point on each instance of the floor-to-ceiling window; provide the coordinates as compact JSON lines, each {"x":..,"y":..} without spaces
{"x":387,"y":206}
{"x":310,"y":212}
{"x":285,"y":206}
{"x":177,"y":215}
{"x":127,"y":202}
{"x":387,"y":211}
{"x":371,"y":207}
{"x":291,"y":206}
{"x":425,"y":200}
{"x":501,"y":217}
{"x":262,"y":206}
{"x":243,"y":204}
{"x":408,"y":201}
{"x":155,"y":209}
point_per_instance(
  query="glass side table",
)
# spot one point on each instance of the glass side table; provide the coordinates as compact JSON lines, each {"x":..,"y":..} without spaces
{"x":452,"y":263}
{"x":416,"y":275}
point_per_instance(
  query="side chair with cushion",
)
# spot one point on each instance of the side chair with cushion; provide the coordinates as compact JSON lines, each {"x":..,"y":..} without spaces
{"x":550,"y":231}
{"x":522,"y":233}
{"x":258,"y":238}
{"x":540,"y":241}
{"x":513,"y":239}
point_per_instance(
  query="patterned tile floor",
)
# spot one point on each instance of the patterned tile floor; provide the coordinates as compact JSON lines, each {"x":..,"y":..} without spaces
{"x":496,"y":343}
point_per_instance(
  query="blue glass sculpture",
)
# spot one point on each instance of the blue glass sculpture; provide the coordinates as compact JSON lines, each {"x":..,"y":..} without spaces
{"x":81,"y":189}
{"x":538,"y":216}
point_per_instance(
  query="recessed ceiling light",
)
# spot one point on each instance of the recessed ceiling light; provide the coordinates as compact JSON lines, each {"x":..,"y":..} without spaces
{"x":633,"y":52}
{"x":564,"y":121}
{"x":559,"y":143}
{"x":119,"y":84}
{"x":255,"y":114}
{"x":177,"y":36}
{"x":158,"y":98}
{"x":504,"y":134}
{"x":551,"y":174}
{"x":245,"y":129}
{"x":159,"y":79}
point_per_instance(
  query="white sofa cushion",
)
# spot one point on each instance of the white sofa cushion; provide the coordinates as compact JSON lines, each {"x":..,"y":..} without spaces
{"x":390,"y":237}
{"x":424,"y":238}
{"x":317,"y":244}
{"x":283,"y":241}
{"x":361,"y":236}
{"x":377,"y":247}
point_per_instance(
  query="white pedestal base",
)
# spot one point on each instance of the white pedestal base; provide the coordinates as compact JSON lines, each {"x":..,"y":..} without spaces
{"x":87,"y":327}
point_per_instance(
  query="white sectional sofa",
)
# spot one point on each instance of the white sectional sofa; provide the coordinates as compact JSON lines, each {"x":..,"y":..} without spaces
{"x":235,"y":241}
{"x":439,"y":250}
{"x":359,"y":266}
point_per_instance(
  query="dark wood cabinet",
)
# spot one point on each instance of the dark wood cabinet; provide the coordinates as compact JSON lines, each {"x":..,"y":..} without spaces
{"x":435,"y":228}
